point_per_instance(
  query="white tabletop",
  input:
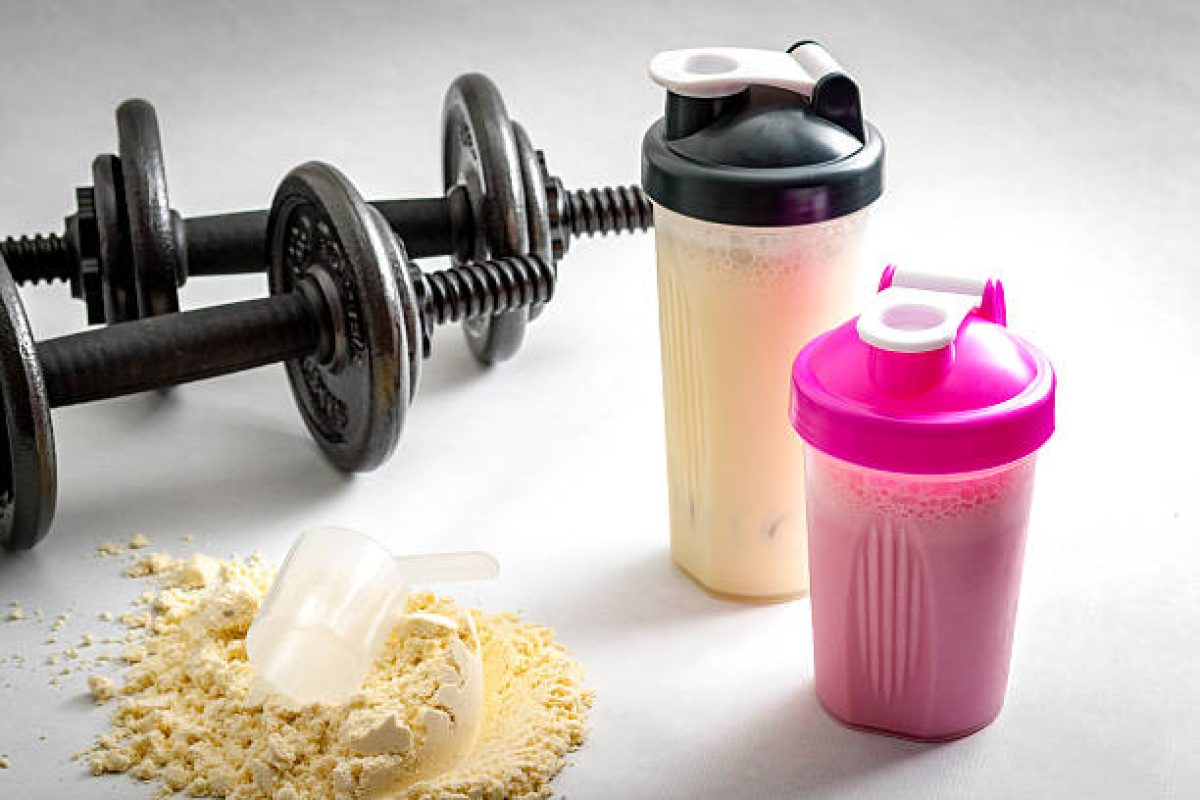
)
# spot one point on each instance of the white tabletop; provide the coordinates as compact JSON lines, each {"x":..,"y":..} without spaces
{"x":1053,"y":145}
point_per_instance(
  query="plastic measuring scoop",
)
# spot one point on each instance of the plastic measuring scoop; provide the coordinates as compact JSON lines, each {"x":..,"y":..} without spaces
{"x":335,"y":601}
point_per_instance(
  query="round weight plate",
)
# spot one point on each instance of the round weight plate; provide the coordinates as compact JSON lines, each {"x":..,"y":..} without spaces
{"x":118,"y":289}
{"x":155,"y":256}
{"x":353,"y":403}
{"x":537,"y":206}
{"x":480,"y":152}
{"x":410,"y":309}
{"x":28,"y":479}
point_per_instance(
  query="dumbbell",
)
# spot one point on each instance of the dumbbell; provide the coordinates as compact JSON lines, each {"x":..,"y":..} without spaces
{"x":347,"y":315}
{"x":126,"y":252}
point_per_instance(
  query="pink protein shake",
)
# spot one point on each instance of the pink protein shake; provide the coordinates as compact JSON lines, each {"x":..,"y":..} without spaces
{"x":922,"y":418}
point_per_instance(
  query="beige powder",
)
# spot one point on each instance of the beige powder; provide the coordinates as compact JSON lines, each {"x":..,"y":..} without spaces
{"x":103,"y":689}
{"x":153,"y":564}
{"x":190,"y":717}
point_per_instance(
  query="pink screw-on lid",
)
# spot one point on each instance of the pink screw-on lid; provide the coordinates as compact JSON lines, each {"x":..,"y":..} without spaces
{"x":927,"y":380}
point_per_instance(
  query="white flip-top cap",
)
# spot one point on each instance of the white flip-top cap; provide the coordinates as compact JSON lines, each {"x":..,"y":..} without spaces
{"x":724,"y":71}
{"x":920,"y":311}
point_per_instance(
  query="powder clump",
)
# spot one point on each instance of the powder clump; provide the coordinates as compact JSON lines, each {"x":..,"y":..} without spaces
{"x":153,"y":564}
{"x":192,"y":717}
{"x":102,"y":688}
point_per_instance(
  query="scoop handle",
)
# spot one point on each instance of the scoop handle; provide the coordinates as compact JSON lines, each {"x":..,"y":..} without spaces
{"x":470,"y":565}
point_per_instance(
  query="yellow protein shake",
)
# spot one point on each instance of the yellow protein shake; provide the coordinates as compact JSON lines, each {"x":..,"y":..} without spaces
{"x":761,"y":172}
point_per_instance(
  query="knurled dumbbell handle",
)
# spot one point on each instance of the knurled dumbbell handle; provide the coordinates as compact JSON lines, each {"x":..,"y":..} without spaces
{"x":171,"y":349}
{"x":424,"y":224}
{"x":224,"y":244}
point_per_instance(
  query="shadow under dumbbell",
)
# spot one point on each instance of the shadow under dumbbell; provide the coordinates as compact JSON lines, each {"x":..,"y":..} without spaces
{"x":160,"y":465}
{"x":453,"y":368}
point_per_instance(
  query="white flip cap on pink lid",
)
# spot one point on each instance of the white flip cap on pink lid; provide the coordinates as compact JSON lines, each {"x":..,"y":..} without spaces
{"x":919,"y":311}
{"x":929,"y":380}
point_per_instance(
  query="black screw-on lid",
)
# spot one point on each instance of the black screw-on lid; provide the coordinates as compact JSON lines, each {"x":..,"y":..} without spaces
{"x":760,"y":138}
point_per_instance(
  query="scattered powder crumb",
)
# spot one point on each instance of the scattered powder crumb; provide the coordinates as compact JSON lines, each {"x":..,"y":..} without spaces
{"x":87,"y":640}
{"x":51,"y":640}
{"x":3,"y":762}
{"x":187,"y":537}
{"x":71,"y":652}
{"x":138,"y":542}
{"x":103,"y":689}
{"x":16,"y":614}
{"x":111,"y":549}
{"x":197,"y":572}
{"x":60,"y":621}
{"x":106,"y":616}
{"x":153,"y":564}
{"x":192,"y":718}
{"x":132,"y":620}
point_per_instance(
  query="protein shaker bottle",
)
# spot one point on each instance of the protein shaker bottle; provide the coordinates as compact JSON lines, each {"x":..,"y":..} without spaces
{"x":761,"y":172}
{"x":923,"y":417}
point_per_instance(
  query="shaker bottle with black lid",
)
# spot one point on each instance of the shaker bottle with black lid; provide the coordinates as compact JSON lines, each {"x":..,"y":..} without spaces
{"x":761,"y":171}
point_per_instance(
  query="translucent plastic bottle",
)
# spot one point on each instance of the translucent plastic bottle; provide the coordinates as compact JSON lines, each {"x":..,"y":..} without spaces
{"x":923,"y":417}
{"x":761,"y":171}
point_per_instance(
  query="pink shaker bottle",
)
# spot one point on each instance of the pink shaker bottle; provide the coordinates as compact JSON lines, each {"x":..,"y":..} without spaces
{"x":922,"y":418}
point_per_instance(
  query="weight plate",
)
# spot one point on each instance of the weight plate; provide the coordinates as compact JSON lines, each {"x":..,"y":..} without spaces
{"x":410,"y":307}
{"x":155,"y":255}
{"x":353,"y":402}
{"x":537,"y":205}
{"x":118,"y":289}
{"x":28,"y":478}
{"x":479,"y":151}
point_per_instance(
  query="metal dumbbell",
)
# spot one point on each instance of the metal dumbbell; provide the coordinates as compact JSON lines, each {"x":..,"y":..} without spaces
{"x":347,"y":315}
{"x":125,"y":252}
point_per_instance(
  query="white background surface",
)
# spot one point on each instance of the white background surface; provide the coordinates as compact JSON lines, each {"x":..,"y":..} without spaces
{"x":1053,"y":144}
